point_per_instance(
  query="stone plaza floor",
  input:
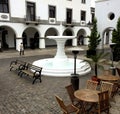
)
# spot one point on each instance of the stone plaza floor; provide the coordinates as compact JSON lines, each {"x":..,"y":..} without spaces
{"x":19,"y":96}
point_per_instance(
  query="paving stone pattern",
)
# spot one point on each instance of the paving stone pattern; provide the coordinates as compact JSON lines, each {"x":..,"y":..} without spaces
{"x":19,"y":96}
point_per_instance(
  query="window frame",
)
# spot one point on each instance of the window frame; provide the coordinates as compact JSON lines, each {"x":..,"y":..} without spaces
{"x":83,"y":16}
{"x":31,"y":6}
{"x":83,"y":1}
{"x":4,"y":4}
{"x":52,"y":11}
{"x":69,"y":19}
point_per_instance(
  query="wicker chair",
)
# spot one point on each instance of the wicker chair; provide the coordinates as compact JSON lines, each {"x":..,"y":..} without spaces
{"x":91,"y":84}
{"x":107,"y":86}
{"x":103,"y":103}
{"x":107,"y":72}
{"x":118,"y":71}
{"x":67,"y":109}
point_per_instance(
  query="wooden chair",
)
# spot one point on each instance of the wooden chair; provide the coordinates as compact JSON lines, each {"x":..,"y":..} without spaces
{"x":73,"y":99}
{"x":91,"y":84}
{"x":107,"y":86}
{"x":116,"y":89}
{"x":103,"y":103}
{"x":107,"y":72}
{"x":118,"y":71}
{"x":118,"y":83}
{"x":67,"y":109}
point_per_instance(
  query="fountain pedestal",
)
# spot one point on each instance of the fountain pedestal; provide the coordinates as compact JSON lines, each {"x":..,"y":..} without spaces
{"x":60,"y":59}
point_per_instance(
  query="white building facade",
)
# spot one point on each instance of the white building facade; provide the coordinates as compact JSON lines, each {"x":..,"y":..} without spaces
{"x":107,"y":13}
{"x":30,"y":21}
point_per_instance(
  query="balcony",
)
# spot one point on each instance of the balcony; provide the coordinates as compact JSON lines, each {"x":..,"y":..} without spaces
{"x":68,"y":24}
{"x":32,"y":20}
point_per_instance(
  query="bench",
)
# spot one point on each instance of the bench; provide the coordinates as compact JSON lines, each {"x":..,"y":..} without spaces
{"x":33,"y":71}
{"x":17,"y":65}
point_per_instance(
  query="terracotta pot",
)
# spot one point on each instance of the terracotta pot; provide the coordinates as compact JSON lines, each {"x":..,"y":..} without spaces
{"x":94,"y":78}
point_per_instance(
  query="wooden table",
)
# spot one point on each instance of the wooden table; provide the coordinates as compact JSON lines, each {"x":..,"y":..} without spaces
{"x":109,"y":77}
{"x":87,"y":95}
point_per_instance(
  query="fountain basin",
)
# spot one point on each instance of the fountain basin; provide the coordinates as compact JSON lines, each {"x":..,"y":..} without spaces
{"x":62,"y":67}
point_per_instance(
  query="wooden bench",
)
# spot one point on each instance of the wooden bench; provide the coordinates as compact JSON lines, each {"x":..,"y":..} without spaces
{"x":33,"y":71}
{"x":17,"y":65}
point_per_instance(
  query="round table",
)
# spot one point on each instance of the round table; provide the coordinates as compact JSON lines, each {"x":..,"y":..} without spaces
{"x":109,"y":77}
{"x":87,"y":95}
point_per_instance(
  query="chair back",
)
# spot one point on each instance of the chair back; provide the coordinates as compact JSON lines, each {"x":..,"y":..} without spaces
{"x":107,"y":86}
{"x":104,"y":104}
{"x":71,"y":91}
{"x":61,"y":104}
{"x":91,"y":84}
{"x":107,"y":72}
{"x":118,"y":71}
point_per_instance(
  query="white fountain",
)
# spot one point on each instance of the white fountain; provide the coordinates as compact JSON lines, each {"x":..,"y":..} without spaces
{"x":61,"y":65}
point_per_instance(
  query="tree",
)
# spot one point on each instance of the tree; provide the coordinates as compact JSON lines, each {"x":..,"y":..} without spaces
{"x":97,"y":61}
{"x":94,"y":38}
{"x":116,"y":33}
{"x":116,"y":40}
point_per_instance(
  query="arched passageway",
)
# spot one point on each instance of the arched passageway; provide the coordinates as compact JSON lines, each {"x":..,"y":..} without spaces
{"x":7,"y":38}
{"x":81,"y":37}
{"x":30,"y":38}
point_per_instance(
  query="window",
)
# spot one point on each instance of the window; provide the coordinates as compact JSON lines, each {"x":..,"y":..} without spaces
{"x":111,"y":16}
{"x":83,"y":1}
{"x":83,"y":15}
{"x":4,"y":6}
{"x":92,"y":14}
{"x":52,"y":11}
{"x":69,"y":16}
{"x":30,"y":11}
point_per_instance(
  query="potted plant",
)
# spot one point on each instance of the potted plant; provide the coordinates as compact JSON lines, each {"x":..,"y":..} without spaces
{"x":97,"y":61}
{"x":94,"y":39}
{"x":116,"y":40}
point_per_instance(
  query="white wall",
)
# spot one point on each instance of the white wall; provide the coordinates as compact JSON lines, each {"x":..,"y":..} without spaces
{"x":103,"y":8}
{"x":17,"y":8}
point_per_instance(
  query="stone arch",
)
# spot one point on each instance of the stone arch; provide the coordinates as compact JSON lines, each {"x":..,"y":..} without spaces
{"x":30,"y":37}
{"x":81,"y":37}
{"x":68,"y":32}
{"x":50,"y":32}
{"x":107,"y":35}
{"x":7,"y":37}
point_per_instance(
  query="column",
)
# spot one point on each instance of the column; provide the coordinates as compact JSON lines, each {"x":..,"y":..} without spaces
{"x":110,"y":36}
{"x":41,"y":42}
{"x":18,"y":42}
{"x":74,"y":42}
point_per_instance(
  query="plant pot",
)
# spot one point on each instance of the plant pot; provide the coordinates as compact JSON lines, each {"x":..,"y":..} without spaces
{"x":94,"y":78}
{"x":75,"y":82}
{"x":90,"y":53}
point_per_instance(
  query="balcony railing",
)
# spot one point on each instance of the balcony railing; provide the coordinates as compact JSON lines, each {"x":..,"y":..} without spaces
{"x":70,"y":24}
{"x":32,"y":19}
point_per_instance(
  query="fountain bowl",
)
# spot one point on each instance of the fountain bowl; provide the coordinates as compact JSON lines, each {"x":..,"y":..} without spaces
{"x":62,"y":67}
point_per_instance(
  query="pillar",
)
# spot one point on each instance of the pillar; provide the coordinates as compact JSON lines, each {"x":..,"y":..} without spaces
{"x":110,"y":36}
{"x":41,"y":42}
{"x":18,"y":42}
{"x":74,"y":42}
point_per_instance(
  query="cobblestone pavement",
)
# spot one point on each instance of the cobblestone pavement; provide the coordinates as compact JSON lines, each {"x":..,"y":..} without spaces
{"x":19,"y":96}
